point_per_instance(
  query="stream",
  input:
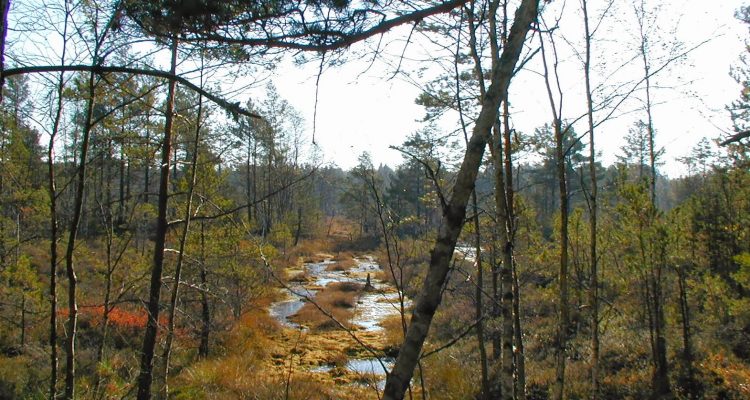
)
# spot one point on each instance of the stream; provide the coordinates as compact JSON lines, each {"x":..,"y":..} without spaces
{"x":371,"y":309}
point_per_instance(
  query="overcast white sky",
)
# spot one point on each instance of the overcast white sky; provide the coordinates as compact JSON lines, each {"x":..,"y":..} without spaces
{"x":366,"y":112}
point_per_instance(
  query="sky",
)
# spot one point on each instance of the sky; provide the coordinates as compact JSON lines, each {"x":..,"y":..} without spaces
{"x":363,"y":107}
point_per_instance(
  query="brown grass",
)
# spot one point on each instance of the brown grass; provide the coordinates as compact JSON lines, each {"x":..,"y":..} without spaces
{"x":338,"y":266}
{"x":337,"y":299}
{"x":309,"y":251}
{"x":346,"y":287}
{"x":383,"y":275}
{"x":316,"y":258}
{"x":394,"y":334}
{"x":300,"y":277}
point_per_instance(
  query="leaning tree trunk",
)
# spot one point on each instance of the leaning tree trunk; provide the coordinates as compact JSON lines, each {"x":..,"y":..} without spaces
{"x":149,"y":338}
{"x":454,"y":214}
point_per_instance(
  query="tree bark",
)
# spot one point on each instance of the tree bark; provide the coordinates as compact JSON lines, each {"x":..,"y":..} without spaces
{"x":149,"y":339}
{"x":121,"y":200}
{"x":72,"y":322}
{"x":593,"y":209}
{"x":54,"y":234}
{"x":112,"y":262}
{"x":506,"y":278}
{"x":687,"y":348}
{"x":205,"y":309}
{"x":558,"y":390}
{"x":453,"y":216}
{"x":479,"y":290}
{"x":479,"y":293}
{"x":5,"y":9}
{"x":181,"y":254}
{"x":519,"y":355}
{"x":232,"y":108}
{"x":661,"y":387}
{"x":249,"y":184}
{"x":562,"y":333}
{"x":52,"y":190}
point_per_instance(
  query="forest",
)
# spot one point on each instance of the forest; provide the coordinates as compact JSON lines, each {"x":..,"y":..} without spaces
{"x":163,"y":234}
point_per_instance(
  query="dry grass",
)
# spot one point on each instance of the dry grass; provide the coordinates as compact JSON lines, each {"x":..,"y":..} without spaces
{"x":394,"y":333}
{"x":300,"y":277}
{"x":339,"y":306}
{"x":230,"y":378}
{"x":337,"y":299}
{"x":343,"y":256}
{"x":346,"y":287}
{"x":316,"y":258}
{"x":309,"y":251}
{"x":341,"y":265}
{"x":383,"y":275}
{"x":250,"y":335}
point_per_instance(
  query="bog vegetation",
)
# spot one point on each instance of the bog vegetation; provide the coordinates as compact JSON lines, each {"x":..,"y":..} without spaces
{"x":148,"y":224}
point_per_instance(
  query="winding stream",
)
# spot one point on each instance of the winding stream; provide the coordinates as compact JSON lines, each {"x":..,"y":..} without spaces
{"x":372,"y":306}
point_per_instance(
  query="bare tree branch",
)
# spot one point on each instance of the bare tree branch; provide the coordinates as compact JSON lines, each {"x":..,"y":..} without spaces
{"x":736,"y":138}
{"x":233,"y":108}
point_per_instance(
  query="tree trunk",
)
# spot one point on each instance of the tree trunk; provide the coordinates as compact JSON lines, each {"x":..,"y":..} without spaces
{"x":298,"y":231}
{"x":660,"y":380}
{"x":205,"y":310}
{"x":181,"y":254}
{"x":506,"y":273}
{"x":496,"y":294}
{"x":147,"y":166}
{"x":691,"y":385}
{"x":661,"y":386}
{"x":479,"y":293}
{"x":107,"y":301}
{"x":250,"y":197}
{"x":70,"y":250}
{"x":4,"y":8}
{"x":121,"y":201}
{"x":558,"y":390}
{"x":519,"y":355}
{"x":149,"y":339}
{"x":52,"y":190}
{"x":453,"y":216}
{"x":593,"y":209}
{"x":54,"y":235}
{"x":23,"y":320}
{"x":562,"y":333}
